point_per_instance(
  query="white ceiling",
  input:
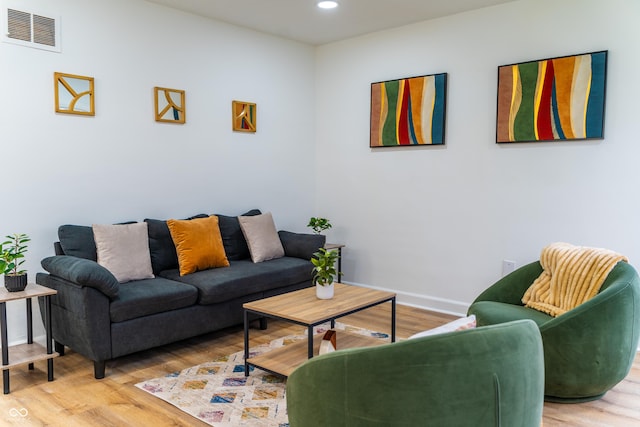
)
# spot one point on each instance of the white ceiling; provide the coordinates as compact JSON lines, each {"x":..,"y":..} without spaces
{"x":302,"y":21}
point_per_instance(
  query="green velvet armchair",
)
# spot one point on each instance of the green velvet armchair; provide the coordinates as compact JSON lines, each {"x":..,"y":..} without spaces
{"x":490,"y":376}
{"x":587,"y":350}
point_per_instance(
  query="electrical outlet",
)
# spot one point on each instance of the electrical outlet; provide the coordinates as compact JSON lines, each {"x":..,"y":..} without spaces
{"x":507,"y":267}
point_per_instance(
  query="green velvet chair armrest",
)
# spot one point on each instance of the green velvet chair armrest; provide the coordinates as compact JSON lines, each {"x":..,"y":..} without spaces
{"x":491,"y":376}
{"x":610,"y":324}
{"x":512,"y":287}
{"x":82,"y":272}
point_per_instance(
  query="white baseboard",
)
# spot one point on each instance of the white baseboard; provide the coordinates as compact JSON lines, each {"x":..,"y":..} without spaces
{"x":440,"y":305}
{"x":426,"y":302}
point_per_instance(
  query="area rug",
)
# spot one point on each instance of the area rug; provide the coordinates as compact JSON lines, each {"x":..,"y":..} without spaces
{"x":218,"y":393}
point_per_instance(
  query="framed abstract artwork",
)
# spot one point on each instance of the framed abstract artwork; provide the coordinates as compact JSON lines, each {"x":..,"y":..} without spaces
{"x":74,"y":94}
{"x":556,"y":99}
{"x":169,"y":105}
{"x":244,"y":116}
{"x":408,"y":112}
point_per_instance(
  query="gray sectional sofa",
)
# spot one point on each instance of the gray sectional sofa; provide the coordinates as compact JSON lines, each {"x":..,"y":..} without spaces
{"x":102,"y":319}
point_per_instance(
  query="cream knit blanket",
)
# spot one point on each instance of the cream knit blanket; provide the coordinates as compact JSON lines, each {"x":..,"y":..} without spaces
{"x":571,"y":276}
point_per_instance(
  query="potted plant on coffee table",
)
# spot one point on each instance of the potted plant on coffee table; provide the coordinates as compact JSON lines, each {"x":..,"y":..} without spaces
{"x":324,"y":272}
{"x":11,"y":258}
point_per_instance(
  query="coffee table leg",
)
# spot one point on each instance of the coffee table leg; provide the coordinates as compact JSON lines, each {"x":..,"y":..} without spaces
{"x":310,"y":342}
{"x":246,"y":343}
{"x":393,"y":319}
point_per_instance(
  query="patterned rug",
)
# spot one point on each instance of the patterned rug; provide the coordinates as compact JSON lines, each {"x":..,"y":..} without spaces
{"x":218,"y":393}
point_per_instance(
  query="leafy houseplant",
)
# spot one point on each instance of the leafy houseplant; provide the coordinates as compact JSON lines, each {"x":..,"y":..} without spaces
{"x":11,"y":258}
{"x":324,"y":272}
{"x":318,"y":225}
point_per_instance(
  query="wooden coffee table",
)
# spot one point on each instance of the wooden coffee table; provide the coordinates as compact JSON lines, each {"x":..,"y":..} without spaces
{"x":304,"y":308}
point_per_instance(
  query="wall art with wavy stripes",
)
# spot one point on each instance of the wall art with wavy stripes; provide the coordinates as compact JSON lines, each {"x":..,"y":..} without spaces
{"x":408,"y":112}
{"x":552,"y":99}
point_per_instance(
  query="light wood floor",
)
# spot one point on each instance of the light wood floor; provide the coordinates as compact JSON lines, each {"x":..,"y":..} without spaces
{"x":75,"y":398}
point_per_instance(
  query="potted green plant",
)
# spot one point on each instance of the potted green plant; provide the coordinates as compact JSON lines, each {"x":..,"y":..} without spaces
{"x":318,"y":225}
{"x":324,"y":269}
{"x":11,"y":258}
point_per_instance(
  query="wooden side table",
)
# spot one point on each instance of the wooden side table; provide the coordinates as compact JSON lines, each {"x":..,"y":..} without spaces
{"x":338,"y":246}
{"x":30,"y":352}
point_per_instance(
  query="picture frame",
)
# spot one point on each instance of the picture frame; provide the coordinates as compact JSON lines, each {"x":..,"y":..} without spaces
{"x":169,"y":105}
{"x":408,"y":112}
{"x":553,"y":99}
{"x":74,"y":94}
{"x":244,"y":116}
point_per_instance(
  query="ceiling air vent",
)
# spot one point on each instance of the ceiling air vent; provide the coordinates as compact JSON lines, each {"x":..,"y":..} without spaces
{"x":32,"y":29}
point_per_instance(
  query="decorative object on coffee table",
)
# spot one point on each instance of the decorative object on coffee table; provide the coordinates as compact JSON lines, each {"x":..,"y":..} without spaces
{"x":318,"y":225}
{"x":324,"y":272}
{"x":11,"y":258}
{"x":328,"y":343}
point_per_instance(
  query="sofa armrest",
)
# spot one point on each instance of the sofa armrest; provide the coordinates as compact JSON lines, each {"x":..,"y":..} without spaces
{"x":80,"y":318}
{"x":82,"y":272}
{"x":301,"y":245}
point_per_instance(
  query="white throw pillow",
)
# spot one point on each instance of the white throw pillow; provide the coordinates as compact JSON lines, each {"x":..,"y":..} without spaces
{"x":456,"y":325}
{"x":261,"y":236}
{"x":123,"y":249}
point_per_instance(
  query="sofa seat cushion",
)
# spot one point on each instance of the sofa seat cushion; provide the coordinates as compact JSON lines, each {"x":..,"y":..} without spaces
{"x":492,"y":312}
{"x":150,"y":296}
{"x":244,"y":277}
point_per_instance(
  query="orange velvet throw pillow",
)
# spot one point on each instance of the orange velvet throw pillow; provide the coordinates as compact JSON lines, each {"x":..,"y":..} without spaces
{"x":198,"y":244}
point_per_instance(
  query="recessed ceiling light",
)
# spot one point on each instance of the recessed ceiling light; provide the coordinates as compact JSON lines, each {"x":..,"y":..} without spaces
{"x":327,"y":4}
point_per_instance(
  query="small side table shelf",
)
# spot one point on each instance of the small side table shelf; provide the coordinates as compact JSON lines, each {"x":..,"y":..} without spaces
{"x":23,"y":354}
{"x":338,"y":246}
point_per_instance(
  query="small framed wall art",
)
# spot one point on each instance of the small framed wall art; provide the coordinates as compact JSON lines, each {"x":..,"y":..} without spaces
{"x":408,"y":112}
{"x":169,"y":105}
{"x":243,"y":116}
{"x":74,"y":94}
{"x":556,"y":99}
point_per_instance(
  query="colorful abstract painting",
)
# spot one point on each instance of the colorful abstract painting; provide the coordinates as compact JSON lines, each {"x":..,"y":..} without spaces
{"x":244,"y":116}
{"x":408,"y":112}
{"x":552,"y":99}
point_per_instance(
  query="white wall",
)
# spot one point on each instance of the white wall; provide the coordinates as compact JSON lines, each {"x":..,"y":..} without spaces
{"x":434,"y":224}
{"x":121,"y":164}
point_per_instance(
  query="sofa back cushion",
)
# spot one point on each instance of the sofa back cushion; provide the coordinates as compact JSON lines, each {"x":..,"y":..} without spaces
{"x":161,"y":246}
{"x":235,"y":245}
{"x":78,"y":240}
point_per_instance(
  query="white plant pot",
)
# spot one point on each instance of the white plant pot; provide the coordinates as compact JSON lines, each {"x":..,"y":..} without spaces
{"x":324,"y":292}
